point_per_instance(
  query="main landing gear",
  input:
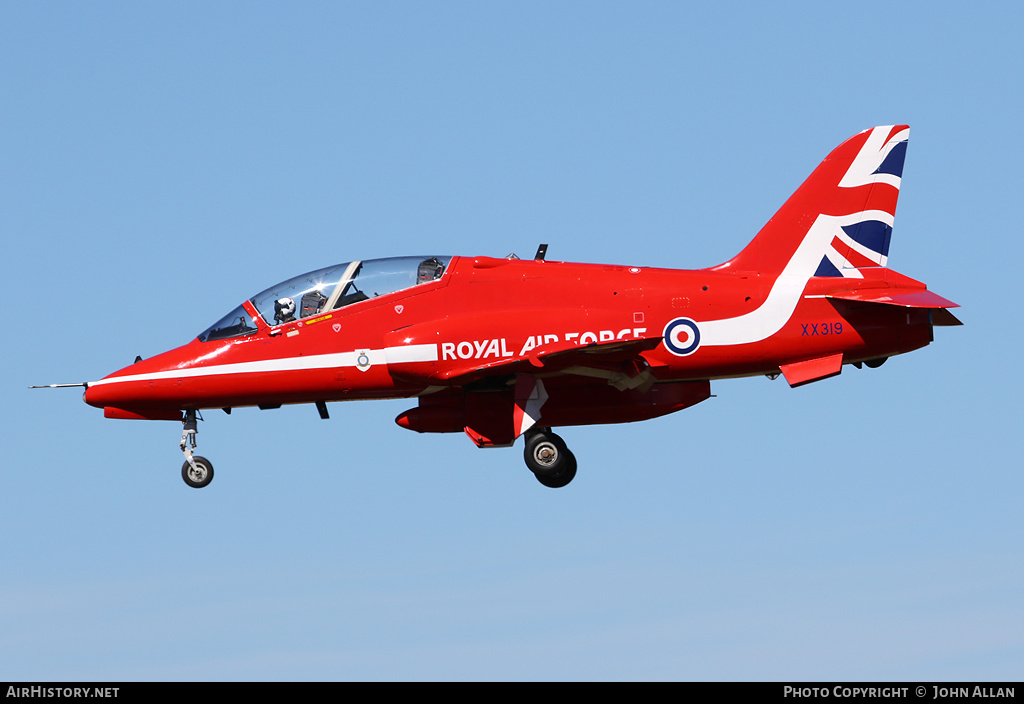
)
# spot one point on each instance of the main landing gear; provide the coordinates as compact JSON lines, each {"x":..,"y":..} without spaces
{"x":197,"y":471}
{"x":548,"y":458}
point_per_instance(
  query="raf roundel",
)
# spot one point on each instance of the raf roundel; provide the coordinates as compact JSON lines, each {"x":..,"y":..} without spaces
{"x":682,"y":337}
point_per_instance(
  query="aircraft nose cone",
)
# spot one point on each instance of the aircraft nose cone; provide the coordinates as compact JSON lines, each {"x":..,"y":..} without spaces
{"x":125,"y":388}
{"x":101,"y":394}
{"x":128,"y":400}
{"x":132,"y":386}
{"x":90,"y":398}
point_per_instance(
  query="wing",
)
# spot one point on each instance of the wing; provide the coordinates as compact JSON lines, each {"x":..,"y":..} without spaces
{"x":496,"y":400}
{"x":619,"y":361}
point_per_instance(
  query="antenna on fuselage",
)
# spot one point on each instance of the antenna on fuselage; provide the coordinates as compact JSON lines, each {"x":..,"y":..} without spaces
{"x":542,"y":252}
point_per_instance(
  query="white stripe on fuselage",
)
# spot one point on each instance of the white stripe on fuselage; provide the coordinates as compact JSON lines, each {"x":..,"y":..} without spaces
{"x":785,"y":293}
{"x":394,"y":355}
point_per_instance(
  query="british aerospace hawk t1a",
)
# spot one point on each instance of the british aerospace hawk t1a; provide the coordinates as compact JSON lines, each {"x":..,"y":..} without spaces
{"x":503,"y":348}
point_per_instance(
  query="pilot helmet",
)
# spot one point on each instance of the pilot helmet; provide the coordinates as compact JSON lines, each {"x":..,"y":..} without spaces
{"x":284,"y":310}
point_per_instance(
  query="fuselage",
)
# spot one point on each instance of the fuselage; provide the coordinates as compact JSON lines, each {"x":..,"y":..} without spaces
{"x":485,"y":313}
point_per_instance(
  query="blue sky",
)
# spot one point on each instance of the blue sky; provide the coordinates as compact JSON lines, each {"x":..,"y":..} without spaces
{"x":160,"y":162}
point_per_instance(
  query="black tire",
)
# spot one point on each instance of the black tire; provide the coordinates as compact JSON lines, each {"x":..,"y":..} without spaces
{"x":549,"y":459}
{"x":205,"y":475}
{"x":561,"y":478}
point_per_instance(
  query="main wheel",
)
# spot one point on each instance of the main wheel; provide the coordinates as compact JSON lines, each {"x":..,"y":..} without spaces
{"x":563,"y":476}
{"x":545,"y":453}
{"x":549,"y":459}
{"x":199,"y":477}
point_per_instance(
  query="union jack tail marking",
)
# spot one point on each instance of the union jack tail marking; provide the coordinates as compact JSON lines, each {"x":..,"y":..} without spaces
{"x":861,"y":239}
{"x":847,"y":205}
{"x":838,"y":224}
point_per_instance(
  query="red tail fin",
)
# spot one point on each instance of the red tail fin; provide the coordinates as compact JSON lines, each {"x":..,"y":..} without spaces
{"x":840,"y":220}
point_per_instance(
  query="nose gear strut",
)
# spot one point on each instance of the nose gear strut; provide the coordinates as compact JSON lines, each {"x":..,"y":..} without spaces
{"x":197,"y":471}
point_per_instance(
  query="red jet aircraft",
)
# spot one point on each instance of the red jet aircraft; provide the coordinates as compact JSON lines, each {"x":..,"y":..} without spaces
{"x":499,"y":348}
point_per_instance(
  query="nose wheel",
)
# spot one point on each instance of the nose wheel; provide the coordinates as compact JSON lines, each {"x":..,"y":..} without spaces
{"x":197,"y":471}
{"x":549,"y":459}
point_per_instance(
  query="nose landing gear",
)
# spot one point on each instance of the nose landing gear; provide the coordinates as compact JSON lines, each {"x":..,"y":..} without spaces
{"x":197,"y":471}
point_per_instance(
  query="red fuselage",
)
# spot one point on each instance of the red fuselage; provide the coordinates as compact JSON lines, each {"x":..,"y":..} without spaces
{"x":490,"y":316}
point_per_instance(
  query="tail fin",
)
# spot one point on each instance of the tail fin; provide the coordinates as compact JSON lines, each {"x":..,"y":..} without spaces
{"x":837,"y":224}
{"x":840,"y":220}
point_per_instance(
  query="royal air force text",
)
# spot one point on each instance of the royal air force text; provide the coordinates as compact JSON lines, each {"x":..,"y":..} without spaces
{"x":499,"y":347}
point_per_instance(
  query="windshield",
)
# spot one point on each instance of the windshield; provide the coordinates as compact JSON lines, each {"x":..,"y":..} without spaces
{"x":234,"y":324}
{"x":329,"y":289}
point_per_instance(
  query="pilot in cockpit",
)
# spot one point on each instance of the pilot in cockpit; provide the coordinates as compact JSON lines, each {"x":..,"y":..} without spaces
{"x":284,"y":310}
{"x":429,"y":270}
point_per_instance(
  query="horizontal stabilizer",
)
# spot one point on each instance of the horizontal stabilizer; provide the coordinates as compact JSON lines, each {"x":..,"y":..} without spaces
{"x":895,"y":297}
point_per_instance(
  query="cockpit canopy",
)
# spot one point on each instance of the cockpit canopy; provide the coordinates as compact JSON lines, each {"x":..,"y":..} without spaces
{"x":328,"y":289}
